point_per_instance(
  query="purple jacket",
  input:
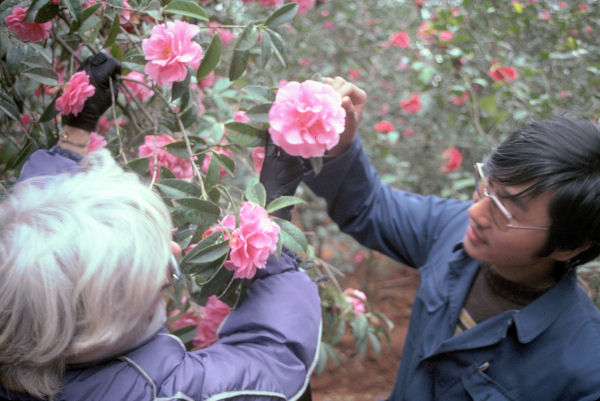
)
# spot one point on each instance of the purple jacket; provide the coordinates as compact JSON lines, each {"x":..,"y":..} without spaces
{"x":266,"y":350}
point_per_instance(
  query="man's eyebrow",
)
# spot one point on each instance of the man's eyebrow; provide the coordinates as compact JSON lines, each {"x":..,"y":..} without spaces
{"x":514,"y":198}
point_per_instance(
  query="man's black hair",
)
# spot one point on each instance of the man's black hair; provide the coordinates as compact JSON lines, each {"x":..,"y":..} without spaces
{"x":560,"y":155}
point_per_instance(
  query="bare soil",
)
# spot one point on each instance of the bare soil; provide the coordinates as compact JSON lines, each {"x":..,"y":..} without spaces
{"x":390,"y":289}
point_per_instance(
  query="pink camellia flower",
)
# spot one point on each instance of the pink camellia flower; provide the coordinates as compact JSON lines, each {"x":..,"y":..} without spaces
{"x":26,"y":120}
{"x":96,"y":142}
{"x":400,"y":39}
{"x":76,"y":93}
{"x":501,"y":73}
{"x":258,"y":158}
{"x":140,"y":91}
{"x":207,"y":158}
{"x":412,"y":105}
{"x":357,"y":299}
{"x":425,"y":31}
{"x":169,"y":50}
{"x":408,"y":132}
{"x":544,"y":14}
{"x":328,"y":25}
{"x":213,"y":315}
{"x":226,"y":35}
{"x":304,"y":5}
{"x":186,"y":319}
{"x":225,"y":225}
{"x":240,"y":116}
{"x":252,"y":242}
{"x":270,"y":3}
{"x":460,"y":100}
{"x":445,"y":36}
{"x":453,"y":160}
{"x":306,"y":118}
{"x":354,"y":74}
{"x":27,"y":31}
{"x":180,"y":167}
{"x":384,"y":126}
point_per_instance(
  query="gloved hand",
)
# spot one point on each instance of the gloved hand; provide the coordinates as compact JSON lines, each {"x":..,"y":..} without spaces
{"x":101,"y":68}
{"x":280,"y":175}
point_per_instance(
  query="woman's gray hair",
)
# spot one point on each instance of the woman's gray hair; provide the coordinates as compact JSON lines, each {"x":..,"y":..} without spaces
{"x":82,"y":260}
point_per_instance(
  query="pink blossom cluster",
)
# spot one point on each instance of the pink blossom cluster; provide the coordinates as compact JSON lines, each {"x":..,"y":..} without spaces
{"x":252,"y":241}
{"x":77,"y":91}
{"x":137,"y":89}
{"x":258,"y":158}
{"x":180,"y":167}
{"x":411,"y":105}
{"x":27,"y":31}
{"x":453,"y":160}
{"x":213,"y":315}
{"x":306,"y":118}
{"x":169,"y":50}
{"x":501,"y":73}
{"x":384,"y":126}
{"x":357,"y":299}
{"x":227,"y":224}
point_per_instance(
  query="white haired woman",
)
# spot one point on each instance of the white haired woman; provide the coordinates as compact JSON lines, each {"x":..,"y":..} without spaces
{"x":85,"y":253}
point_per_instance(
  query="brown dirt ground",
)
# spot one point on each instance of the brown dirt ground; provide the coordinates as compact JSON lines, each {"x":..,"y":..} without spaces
{"x":390,"y":289}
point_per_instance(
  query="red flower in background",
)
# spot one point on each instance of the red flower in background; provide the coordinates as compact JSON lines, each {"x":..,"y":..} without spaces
{"x":384,"y":126}
{"x":453,"y":160}
{"x":412,"y":105}
{"x":500,"y":73}
{"x":400,"y":39}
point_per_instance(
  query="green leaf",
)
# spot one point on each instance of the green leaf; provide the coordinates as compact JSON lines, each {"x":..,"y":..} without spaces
{"x":265,"y":47}
{"x":185,"y":334}
{"x":205,"y":258}
{"x":291,"y":236}
{"x":283,"y":201}
{"x":374,"y":342}
{"x":46,"y":13}
{"x":112,"y":34}
{"x":178,"y":149}
{"x":316,"y":163}
{"x":75,"y":10}
{"x":180,"y":86}
{"x":217,"y":285}
{"x":359,"y":331}
{"x":175,"y":188}
{"x":322,"y":359}
{"x":140,"y":166}
{"x":261,"y":94}
{"x":260,"y":113}
{"x":14,"y":57}
{"x":42,"y":75}
{"x":339,"y":327}
{"x":226,"y":162}
{"x":244,"y":134}
{"x":256,"y":194}
{"x":279,"y":47}
{"x":488,"y":104}
{"x":211,"y":58}
{"x":283,"y":14}
{"x":196,"y":211}
{"x":238,"y":65}
{"x":189,"y":115}
{"x":187,"y":9}
{"x":247,"y":39}
{"x":50,"y":112}
{"x":8,"y":106}
{"x":33,"y":9}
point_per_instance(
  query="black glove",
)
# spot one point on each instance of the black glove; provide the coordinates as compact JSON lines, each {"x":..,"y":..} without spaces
{"x":280,"y":175}
{"x":101,"y":68}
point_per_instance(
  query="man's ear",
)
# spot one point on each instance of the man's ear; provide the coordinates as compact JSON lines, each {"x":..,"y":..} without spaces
{"x":564,"y":255}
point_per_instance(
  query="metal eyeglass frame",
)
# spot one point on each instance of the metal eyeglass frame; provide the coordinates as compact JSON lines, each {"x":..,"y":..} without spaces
{"x":174,"y":271}
{"x":480,"y":176}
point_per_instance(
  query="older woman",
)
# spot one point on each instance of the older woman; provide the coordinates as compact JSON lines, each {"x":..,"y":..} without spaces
{"x":85,"y":253}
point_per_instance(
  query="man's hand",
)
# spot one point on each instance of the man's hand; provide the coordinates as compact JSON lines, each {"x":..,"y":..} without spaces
{"x":101,"y":69}
{"x":353,"y":101}
{"x":280,"y":174}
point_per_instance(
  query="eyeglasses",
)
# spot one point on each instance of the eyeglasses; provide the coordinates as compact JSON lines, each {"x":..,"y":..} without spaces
{"x":500,"y":214}
{"x":174,"y":271}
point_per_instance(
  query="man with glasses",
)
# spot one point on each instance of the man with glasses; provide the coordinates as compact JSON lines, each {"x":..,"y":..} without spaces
{"x":499,"y":313}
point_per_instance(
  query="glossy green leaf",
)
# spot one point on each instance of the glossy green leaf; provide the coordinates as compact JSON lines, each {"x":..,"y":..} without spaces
{"x":244,"y":134}
{"x":247,"y":39}
{"x":256,"y":194}
{"x":238,"y":65}
{"x":75,"y":9}
{"x":140,"y":166}
{"x":50,"y":112}
{"x":47,"y":13}
{"x":283,"y":14}
{"x":179,"y":87}
{"x":265,"y":47}
{"x":359,"y":332}
{"x":176,"y":188}
{"x":42,"y":75}
{"x":260,"y":113}
{"x":33,"y":9}
{"x":196,"y":211}
{"x":211,"y":58}
{"x":178,"y":149}
{"x":187,"y":9}
{"x":278,"y":47}
{"x":189,"y":115}
{"x":291,"y":236}
{"x":112,"y":34}
{"x":8,"y":106}
{"x":283,"y":201}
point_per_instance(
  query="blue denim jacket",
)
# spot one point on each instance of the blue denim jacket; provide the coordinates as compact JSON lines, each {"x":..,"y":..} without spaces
{"x":549,"y":350}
